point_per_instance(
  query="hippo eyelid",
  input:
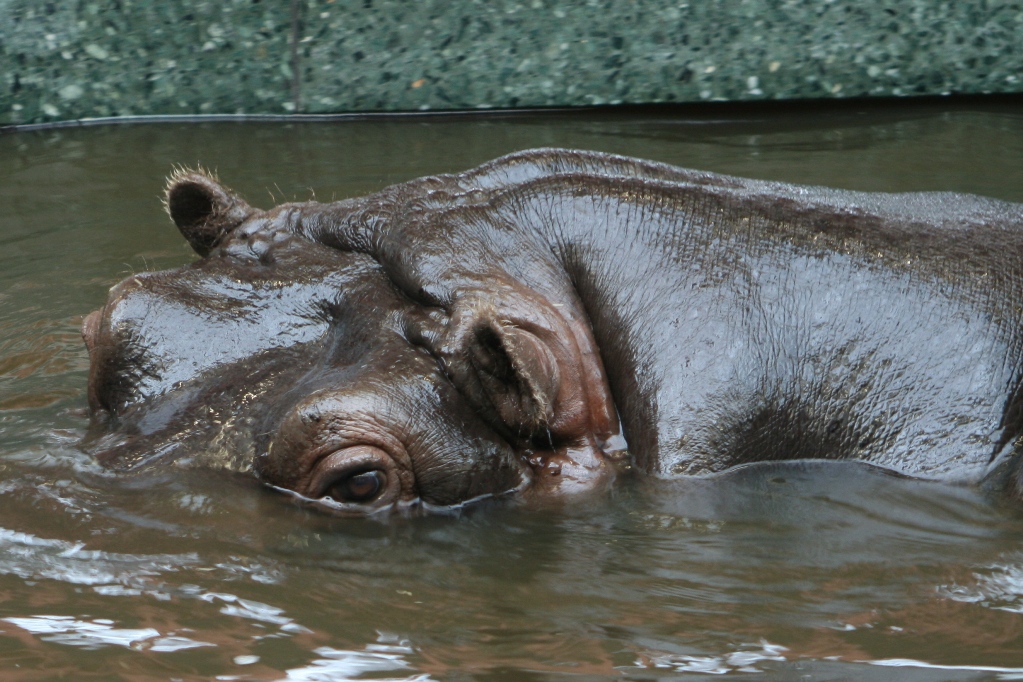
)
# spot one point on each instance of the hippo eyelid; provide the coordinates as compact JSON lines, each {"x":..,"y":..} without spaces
{"x":340,"y":466}
{"x":348,"y":509}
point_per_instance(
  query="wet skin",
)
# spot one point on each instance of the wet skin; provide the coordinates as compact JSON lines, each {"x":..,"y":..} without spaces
{"x":547,"y":295}
{"x":291,"y":359}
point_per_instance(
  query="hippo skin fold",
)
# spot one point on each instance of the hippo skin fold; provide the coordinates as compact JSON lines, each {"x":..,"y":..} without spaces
{"x":540,"y":324}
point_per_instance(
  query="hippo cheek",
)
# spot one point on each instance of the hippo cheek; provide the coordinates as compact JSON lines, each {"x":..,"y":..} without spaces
{"x":213,"y":421}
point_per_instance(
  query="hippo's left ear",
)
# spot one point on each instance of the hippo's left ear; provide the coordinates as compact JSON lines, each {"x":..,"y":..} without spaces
{"x":204,"y":210}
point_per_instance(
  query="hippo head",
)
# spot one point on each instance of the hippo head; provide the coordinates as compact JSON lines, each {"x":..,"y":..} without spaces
{"x":306,"y":365}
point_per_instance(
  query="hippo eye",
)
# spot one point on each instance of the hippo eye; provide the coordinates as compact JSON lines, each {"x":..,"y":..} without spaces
{"x":355,"y":480}
{"x":360,"y":487}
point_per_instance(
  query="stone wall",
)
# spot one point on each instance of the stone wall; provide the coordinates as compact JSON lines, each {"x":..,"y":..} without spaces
{"x":70,"y":59}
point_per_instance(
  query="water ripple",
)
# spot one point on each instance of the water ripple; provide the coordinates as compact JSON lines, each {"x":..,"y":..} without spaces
{"x":31,"y":557}
{"x":999,"y":586}
{"x":100,"y":632}
{"x":336,"y":665}
{"x":743,"y":661}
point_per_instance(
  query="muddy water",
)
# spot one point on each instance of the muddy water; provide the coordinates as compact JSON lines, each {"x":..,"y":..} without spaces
{"x":795,"y":572}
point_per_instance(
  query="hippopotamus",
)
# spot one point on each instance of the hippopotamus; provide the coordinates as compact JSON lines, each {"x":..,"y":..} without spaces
{"x":536,"y":327}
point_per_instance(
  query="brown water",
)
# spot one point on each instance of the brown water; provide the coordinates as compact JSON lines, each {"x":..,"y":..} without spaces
{"x":780,"y":573}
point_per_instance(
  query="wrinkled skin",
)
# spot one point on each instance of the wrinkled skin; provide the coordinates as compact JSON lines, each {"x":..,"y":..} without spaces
{"x":513,"y":327}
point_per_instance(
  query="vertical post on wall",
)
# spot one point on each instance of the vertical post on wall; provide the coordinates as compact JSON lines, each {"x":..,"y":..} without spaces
{"x":296,"y":70}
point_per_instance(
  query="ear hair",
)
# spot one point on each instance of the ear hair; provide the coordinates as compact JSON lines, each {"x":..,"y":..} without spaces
{"x":204,"y":210}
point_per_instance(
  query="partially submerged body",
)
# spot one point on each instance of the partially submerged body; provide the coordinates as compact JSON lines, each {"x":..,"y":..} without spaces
{"x":564,"y":307}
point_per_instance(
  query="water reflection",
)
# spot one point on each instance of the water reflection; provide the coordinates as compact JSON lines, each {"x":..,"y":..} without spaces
{"x":100,"y":632}
{"x":1002,"y":673}
{"x":998,"y":586}
{"x":742,"y":661}
{"x":776,"y":571}
{"x":386,"y":655}
{"x":31,"y":557}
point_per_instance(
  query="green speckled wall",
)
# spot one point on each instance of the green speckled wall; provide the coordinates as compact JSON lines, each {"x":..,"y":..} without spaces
{"x":68,"y":59}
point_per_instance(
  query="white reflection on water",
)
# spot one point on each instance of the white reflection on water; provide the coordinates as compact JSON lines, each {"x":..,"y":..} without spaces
{"x":256,"y":571}
{"x":999,"y":586}
{"x":1002,"y":673}
{"x":254,"y":610}
{"x":737,"y":661}
{"x":126,"y":575}
{"x":336,"y":665}
{"x":31,"y":557}
{"x":100,"y":632}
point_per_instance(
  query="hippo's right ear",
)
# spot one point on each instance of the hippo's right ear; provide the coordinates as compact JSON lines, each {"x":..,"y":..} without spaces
{"x":204,"y":210}
{"x":521,"y":367}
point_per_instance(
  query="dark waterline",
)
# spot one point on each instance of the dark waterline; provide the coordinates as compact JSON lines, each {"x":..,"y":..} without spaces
{"x":830,"y":572}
